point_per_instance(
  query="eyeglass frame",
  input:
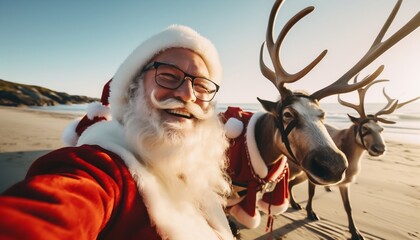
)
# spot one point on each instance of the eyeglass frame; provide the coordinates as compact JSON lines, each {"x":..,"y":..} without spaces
{"x":191,"y":78}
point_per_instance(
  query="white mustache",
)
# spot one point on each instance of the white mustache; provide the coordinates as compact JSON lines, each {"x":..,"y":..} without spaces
{"x":173,"y":103}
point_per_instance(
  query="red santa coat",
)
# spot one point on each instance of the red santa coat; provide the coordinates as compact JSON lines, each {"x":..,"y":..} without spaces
{"x":103,"y":192}
{"x":249,"y":173}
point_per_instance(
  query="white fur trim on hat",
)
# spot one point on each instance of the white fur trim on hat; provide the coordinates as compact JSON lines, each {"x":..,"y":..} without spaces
{"x":243,"y":218}
{"x":173,"y":36}
{"x":69,"y":136}
{"x":233,"y":128}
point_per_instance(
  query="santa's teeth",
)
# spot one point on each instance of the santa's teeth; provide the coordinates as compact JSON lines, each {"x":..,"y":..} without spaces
{"x":179,"y":112}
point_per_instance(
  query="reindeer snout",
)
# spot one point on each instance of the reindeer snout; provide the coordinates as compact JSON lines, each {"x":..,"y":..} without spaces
{"x":325,"y":166}
{"x":377,"y":150}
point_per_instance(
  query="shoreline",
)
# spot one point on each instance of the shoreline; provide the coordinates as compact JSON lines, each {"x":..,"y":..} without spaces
{"x":385,"y":198}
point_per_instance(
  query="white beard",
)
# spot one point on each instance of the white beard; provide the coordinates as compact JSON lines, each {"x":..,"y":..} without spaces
{"x":190,"y":164}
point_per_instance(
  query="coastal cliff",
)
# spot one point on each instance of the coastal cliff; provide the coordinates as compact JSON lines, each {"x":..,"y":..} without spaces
{"x":17,"y":95}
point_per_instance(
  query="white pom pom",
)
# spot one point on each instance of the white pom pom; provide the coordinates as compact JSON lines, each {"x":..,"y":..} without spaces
{"x":69,"y":136}
{"x":233,"y":128}
{"x":96,"y":109}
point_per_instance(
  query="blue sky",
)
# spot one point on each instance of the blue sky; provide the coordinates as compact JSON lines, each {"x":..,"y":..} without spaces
{"x":76,"y":46}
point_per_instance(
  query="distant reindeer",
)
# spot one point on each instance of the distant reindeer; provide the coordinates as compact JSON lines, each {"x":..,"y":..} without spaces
{"x":365,"y":134}
{"x":293,"y":126}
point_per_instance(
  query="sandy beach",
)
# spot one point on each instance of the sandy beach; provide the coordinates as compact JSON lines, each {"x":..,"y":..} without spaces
{"x":385,"y":198}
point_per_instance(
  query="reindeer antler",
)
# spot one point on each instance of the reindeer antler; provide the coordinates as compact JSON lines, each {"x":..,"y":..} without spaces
{"x":377,"y":48}
{"x":360,"y":109}
{"x":280,"y":76}
{"x":399,"y":105}
{"x":391,"y":107}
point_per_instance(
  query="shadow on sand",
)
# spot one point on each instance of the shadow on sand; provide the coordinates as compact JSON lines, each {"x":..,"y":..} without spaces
{"x":14,"y":165}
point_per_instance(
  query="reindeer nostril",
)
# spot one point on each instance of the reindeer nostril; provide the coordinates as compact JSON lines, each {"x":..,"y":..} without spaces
{"x":319,"y":169}
{"x":379,"y":149}
{"x":325,"y":166}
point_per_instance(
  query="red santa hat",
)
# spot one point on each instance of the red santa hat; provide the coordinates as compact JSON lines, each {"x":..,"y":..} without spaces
{"x":173,"y":36}
{"x":117,"y":89}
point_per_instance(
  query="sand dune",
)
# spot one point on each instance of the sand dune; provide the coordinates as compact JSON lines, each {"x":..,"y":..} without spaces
{"x":385,"y":198}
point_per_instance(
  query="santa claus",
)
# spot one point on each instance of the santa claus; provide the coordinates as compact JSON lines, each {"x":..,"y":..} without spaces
{"x":156,"y":170}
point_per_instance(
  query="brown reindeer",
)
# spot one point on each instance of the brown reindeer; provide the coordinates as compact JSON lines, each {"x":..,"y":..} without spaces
{"x":365,"y":134}
{"x":293,"y":126}
{"x":297,"y":116}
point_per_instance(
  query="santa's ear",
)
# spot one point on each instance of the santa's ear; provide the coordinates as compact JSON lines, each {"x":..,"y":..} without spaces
{"x":269,"y":106}
{"x":353,"y":119}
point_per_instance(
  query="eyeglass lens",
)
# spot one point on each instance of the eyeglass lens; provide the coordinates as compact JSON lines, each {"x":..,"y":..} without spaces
{"x":170,"y":77}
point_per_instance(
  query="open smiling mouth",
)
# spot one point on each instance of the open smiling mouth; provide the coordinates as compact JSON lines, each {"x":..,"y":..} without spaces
{"x":179,"y":113}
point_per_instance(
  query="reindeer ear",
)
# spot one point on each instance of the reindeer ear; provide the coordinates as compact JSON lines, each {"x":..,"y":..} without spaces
{"x":353,"y":119}
{"x":269,"y":106}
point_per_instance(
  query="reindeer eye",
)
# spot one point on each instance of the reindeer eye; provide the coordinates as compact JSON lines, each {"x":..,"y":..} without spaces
{"x":287,"y":115}
{"x":365,"y":129}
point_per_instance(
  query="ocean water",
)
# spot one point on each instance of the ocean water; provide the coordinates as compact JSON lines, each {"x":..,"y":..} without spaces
{"x":406,"y":128}
{"x":79,"y":109}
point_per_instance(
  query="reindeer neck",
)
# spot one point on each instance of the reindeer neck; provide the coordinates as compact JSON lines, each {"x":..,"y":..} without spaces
{"x":267,"y":142}
{"x":348,"y":143}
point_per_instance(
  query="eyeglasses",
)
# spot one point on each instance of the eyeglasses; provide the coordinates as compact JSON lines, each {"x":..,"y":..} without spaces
{"x":171,"y":77}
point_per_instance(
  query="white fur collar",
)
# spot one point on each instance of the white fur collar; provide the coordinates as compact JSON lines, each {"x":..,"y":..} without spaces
{"x":182,"y":222}
{"x":257,"y":162}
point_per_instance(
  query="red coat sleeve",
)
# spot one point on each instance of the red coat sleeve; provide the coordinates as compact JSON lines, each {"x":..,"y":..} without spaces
{"x":70,"y":193}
